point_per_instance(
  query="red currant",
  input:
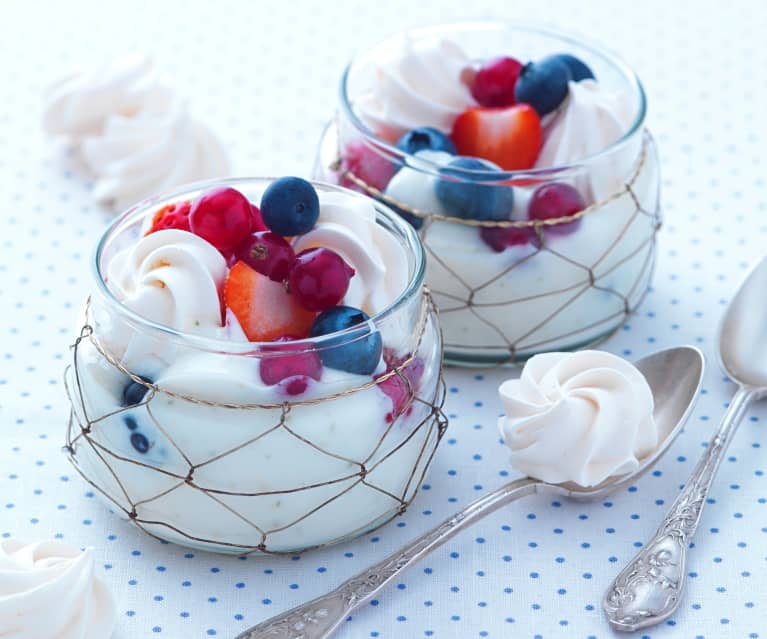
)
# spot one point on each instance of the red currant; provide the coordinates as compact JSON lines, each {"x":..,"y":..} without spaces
{"x":553,"y":200}
{"x":319,"y":278}
{"x":399,"y":391}
{"x":256,"y":221}
{"x":493,"y":85}
{"x":222,"y":216}
{"x":295,"y":367}
{"x":499,"y":238}
{"x":268,"y":253}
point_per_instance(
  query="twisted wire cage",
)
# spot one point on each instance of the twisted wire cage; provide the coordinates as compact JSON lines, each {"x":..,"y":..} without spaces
{"x":413,"y":431}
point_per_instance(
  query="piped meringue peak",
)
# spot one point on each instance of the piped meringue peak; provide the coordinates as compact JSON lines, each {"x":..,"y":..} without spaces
{"x":135,"y":134}
{"x":578,"y":417}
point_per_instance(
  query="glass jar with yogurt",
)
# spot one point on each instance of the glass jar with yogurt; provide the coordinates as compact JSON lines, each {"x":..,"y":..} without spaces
{"x":206,"y":439}
{"x":515,"y":267}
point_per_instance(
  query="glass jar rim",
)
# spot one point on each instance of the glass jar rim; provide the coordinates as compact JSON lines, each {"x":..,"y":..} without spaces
{"x":425,"y":165}
{"x":225,"y":346}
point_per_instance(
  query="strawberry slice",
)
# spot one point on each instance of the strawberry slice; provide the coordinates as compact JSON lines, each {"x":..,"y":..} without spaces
{"x":510,"y":137}
{"x":171,"y":216}
{"x":264,"y":308}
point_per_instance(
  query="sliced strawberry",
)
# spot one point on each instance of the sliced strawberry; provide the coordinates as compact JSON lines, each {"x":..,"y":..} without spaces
{"x":171,"y":216}
{"x":264,"y":308}
{"x":511,"y":137}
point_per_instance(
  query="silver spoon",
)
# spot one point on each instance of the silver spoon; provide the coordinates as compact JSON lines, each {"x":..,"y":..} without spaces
{"x":649,"y":589}
{"x":674,"y":375}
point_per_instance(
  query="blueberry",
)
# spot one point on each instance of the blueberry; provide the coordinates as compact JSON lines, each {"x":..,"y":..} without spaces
{"x":140,"y":443}
{"x":579,"y":70}
{"x":134,"y":393}
{"x":543,"y":84}
{"x":425,"y":138}
{"x":130,"y":422}
{"x":469,"y":198}
{"x":290,"y":206}
{"x":357,"y":352}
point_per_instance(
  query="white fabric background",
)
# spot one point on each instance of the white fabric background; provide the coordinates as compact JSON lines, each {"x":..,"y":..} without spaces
{"x":264,"y":75}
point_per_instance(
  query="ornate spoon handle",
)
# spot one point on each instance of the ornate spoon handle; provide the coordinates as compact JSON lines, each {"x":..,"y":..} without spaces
{"x":320,"y":617}
{"x":649,"y":588}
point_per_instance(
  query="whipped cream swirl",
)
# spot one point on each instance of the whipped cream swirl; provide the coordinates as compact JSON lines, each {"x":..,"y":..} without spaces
{"x":419,"y":84}
{"x":49,"y":589}
{"x":347,"y":225}
{"x":135,"y":134}
{"x":171,"y":277}
{"x":579,"y":417}
{"x":591,"y":119}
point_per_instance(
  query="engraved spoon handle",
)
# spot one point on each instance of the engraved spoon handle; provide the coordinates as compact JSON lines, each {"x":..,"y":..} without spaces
{"x":319,"y":618}
{"x":648,"y":590}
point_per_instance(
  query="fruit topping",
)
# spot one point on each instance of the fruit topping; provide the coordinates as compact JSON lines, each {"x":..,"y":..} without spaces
{"x":288,"y":365}
{"x":140,"y":443}
{"x":401,"y":391}
{"x":319,"y":278}
{"x":510,"y":137}
{"x":493,"y":84}
{"x":171,"y":216}
{"x":264,"y":308}
{"x":466,"y":190}
{"x":425,"y":139}
{"x":368,"y":165}
{"x":222,"y":216}
{"x":579,"y":70}
{"x":543,"y":84}
{"x":553,"y":200}
{"x":358,"y":351}
{"x":268,"y":253}
{"x":499,"y":239}
{"x":134,"y":393}
{"x":290,"y":206}
{"x":256,"y":221}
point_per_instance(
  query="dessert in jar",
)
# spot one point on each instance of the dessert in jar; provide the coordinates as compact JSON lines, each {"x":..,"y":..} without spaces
{"x":258,"y":368}
{"x":531,"y":179}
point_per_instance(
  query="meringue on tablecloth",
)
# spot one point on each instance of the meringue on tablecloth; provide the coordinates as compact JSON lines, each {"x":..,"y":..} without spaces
{"x":135,"y":134}
{"x":580,"y":417}
{"x":49,"y":590}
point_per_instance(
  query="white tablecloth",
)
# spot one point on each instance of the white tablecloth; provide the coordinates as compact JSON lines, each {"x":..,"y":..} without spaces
{"x":265,"y":76}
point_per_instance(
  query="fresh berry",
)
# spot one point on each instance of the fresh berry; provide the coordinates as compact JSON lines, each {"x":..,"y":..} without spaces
{"x":270,"y":254}
{"x":256,"y":221}
{"x":494,"y":83}
{"x":222,"y":216}
{"x":510,"y":137}
{"x":134,"y":393}
{"x":359,"y":351}
{"x":401,"y":391}
{"x":140,"y":443}
{"x":543,"y":84}
{"x":553,"y":200}
{"x":290,"y":206}
{"x":293,"y":386}
{"x":285,"y":363}
{"x":579,"y":70}
{"x":171,"y":216}
{"x":367,"y":165}
{"x":130,"y":422}
{"x":499,"y":239}
{"x":466,"y":190}
{"x":319,"y":278}
{"x":263,"y":308}
{"x":425,"y":138}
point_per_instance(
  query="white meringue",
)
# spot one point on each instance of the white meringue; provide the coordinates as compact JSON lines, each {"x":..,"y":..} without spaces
{"x":49,"y":589}
{"x":347,"y":225}
{"x":580,"y":417}
{"x":136,"y":136}
{"x":419,"y":84}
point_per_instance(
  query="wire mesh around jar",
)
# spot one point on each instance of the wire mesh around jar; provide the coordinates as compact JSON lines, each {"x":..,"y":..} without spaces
{"x":83,"y":430}
{"x":518,"y":347}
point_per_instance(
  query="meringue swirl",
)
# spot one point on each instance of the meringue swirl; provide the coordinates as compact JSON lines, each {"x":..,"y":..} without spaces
{"x":49,"y":589}
{"x":419,"y":84}
{"x":173,"y":278}
{"x":347,"y":225}
{"x":579,"y":417}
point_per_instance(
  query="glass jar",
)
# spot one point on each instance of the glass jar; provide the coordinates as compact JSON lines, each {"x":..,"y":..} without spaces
{"x":181,"y":435}
{"x":509,"y":288}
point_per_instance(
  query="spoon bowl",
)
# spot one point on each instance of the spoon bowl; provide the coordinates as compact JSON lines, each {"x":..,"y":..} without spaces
{"x":674,"y":376}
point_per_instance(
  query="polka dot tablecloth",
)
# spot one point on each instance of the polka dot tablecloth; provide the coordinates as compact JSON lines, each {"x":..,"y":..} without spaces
{"x":264,"y":75}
